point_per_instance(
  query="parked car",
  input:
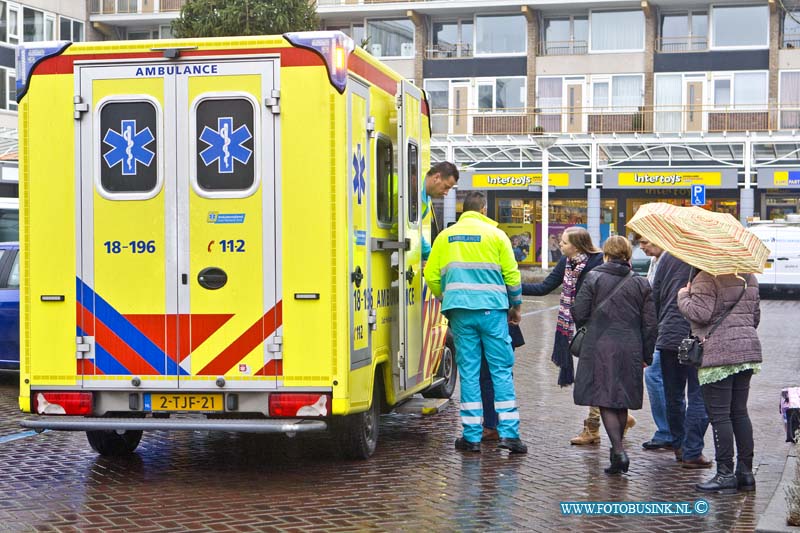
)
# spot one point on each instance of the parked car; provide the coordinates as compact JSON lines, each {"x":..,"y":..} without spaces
{"x":9,"y":305}
{"x":640,"y":261}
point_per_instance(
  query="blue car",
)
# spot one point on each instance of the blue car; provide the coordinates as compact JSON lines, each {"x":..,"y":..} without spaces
{"x":9,"y":306}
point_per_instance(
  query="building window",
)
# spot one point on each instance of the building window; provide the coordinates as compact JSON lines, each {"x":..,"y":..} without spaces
{"x":354,"y":31}
{"x":142,"y":35}
{"x":622,"y":93}
{"x":617,"y":31}
{"x":12,"y":90}
{"x":684,"y":32}
{"x":566,"y":36}
{"x":500,"y":35}
{"x":71,"y":30}
{"x":741,"y":90}
{"x":390,"y":38}
{"x":13,"y":24}
{"x":790,"y":100}
{"x":439,"y":100}
{"x":452,"y":39}
{"x":740,"y":27}
{"x":669,"y":101}
{"x":791,"y":30}
{"x":501,"y":95}
{"x":165,"y":32}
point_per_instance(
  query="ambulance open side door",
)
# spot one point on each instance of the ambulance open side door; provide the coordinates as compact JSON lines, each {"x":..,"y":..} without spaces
{"x":410,"y":213}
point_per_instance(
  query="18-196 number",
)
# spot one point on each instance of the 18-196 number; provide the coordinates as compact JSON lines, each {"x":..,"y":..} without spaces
{"x":135,"y":247}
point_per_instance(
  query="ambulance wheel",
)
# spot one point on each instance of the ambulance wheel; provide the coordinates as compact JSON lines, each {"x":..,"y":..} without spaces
{"x":448,"y":371}
{"x":358,"y":434}
{"x":113,"y":444}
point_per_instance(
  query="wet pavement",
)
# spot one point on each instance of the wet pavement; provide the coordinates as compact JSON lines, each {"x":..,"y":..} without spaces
{"x":197,"y":481}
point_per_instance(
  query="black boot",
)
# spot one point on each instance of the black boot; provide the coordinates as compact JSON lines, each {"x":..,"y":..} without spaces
{"x":512,"y":445}
{"x":619,"y":463}
{"x":745,"y":480}
{"x":723,"y":483}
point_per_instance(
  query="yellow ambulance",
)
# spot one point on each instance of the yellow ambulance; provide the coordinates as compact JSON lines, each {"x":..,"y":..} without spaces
{"x":223,"y":234}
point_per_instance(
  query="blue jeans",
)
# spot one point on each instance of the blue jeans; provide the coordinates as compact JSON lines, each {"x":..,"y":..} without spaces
{"x":658,"y":403}
{"x":687,"y":427}
{"x":487,"y":396}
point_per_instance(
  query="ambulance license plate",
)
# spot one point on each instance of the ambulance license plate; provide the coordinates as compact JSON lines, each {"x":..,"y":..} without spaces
{"x":183,"y":402}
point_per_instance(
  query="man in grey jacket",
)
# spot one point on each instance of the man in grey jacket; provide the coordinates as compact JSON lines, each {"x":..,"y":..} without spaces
{"x":686,"y":411}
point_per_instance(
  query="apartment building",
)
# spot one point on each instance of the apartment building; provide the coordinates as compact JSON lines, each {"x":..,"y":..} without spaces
{"x":644,"y":98}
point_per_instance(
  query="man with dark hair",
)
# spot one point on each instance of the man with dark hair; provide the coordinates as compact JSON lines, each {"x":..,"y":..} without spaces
{"x":472,"y":268}
{"x":438,"y":181}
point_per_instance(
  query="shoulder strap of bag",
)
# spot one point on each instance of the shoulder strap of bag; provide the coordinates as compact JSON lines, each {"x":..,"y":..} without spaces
{"x":618,"y":286}
{"x":725,"y":314}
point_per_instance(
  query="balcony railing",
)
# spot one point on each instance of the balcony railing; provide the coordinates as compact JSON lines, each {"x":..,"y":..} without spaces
{"x":125,"y":7}
{"x":791,"y":40}
{"x":563,"y":48}
{"x":643,"y":119}
{"x":681,"y":44}
{"x":449,"y":51}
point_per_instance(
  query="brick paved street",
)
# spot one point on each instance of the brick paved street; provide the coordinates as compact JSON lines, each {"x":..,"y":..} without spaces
{"x":415,"y":481}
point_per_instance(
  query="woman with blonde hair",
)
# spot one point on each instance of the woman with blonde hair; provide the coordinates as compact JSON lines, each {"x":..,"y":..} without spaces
{"x":579,"y":257}
{"x":617,"y":309}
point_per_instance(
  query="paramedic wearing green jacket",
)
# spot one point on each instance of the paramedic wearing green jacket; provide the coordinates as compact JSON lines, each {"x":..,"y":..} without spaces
{"x":472,"y":269}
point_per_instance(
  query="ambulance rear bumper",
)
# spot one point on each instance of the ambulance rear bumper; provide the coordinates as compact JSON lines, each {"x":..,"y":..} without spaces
{"x":79,"y":423}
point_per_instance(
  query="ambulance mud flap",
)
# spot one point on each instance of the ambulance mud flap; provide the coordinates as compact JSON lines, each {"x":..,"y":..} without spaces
{"x":77,"y":423}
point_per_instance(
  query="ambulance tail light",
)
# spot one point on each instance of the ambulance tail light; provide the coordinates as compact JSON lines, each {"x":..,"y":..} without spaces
{"x":294,"y":404}
{"x":333,"y":46}
{"x":63,"y":403}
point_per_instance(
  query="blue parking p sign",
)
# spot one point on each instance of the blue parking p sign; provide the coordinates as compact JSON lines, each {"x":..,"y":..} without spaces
{"x":698,"y":195}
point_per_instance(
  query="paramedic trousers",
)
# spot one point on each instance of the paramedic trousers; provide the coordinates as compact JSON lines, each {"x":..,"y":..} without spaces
{"x":487,"y":329}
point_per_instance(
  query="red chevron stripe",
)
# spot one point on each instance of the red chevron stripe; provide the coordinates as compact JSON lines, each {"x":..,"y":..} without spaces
{"x":272,"y":368}
{"x":87,"y":368}
{"x":246,"y":343}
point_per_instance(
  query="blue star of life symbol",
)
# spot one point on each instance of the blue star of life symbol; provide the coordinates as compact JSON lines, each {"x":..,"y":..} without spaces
{"x":225,"y":145}
{"x":359,"y":185}
{"x":128,"y":147}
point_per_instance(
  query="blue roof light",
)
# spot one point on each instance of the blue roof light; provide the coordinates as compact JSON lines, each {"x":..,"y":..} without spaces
{"x":333,"y":46}
{"x":31,"y":54}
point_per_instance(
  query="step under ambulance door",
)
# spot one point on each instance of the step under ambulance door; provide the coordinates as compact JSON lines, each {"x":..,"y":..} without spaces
{"x":410,"y":232}
{"x":126,"y":283}
{"x":227,"y":225}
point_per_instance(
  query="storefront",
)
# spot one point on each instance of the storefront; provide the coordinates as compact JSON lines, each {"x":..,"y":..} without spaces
{"x":633,"y":188}
{"x":779,"y":192}
{"x":514,"y":201}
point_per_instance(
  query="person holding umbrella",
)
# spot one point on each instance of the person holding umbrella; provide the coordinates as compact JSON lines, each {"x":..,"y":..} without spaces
{"x":723,"y":309}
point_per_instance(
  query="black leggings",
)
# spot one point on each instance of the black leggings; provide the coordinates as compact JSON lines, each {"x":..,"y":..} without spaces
{"x":614,"y":421}
{"x":726,"y":403}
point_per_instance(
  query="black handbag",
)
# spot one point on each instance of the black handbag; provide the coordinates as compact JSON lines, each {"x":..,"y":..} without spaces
{"x":690,"y":350}
{"x":576,"y":343}
{"x":517,"y":339}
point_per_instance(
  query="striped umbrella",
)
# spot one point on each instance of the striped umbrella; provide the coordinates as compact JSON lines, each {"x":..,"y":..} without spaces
{"x":714,"y":242}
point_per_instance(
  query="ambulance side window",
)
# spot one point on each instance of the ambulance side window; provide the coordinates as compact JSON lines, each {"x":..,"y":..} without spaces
{"x":224,"y":139}
{"x":386,"y":182}
{"x":413,"y":184}
{"x":129,"y":147}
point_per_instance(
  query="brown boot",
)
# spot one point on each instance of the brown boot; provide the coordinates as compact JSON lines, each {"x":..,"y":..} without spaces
{"x":589,"y":435}
{"x":628,"y":425}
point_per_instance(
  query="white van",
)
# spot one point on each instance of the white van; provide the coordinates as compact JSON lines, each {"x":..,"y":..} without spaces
{"x":782,"y":237}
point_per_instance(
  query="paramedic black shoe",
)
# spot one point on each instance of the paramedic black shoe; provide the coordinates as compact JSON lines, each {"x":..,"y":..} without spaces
{"x":467,"y":446}
{"x":512,"y":445}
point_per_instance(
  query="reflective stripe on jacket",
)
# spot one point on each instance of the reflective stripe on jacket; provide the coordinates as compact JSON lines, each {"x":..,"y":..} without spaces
{"x":472,"y":266}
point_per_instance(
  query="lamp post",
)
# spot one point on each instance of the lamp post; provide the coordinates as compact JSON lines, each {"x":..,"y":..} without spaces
{"x":544,"y":143}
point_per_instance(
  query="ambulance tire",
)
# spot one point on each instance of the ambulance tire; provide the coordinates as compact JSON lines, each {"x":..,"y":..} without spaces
{"x":447,"y":370}
{"x":358,"y":434}
{"x":112,"y":444}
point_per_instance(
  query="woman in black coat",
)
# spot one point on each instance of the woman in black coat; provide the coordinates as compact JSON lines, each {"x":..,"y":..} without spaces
{"x":620,"y":339}
{"x":579,"y":257}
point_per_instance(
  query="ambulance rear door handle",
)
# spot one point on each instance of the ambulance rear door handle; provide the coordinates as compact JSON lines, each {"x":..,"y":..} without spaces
{"x":212,"y":278}
{"x":388,"y":244}
{"x":410,"y":274}
{"x":184,"y":279}
{"x":357,"y":276}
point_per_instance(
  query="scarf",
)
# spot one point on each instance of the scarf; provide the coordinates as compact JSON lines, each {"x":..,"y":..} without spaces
{"x":565,"y":325}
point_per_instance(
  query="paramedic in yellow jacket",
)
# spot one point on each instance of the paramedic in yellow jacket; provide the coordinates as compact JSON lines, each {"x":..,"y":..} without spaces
{"x":438,"y":181}
{"x":472,"y":268}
